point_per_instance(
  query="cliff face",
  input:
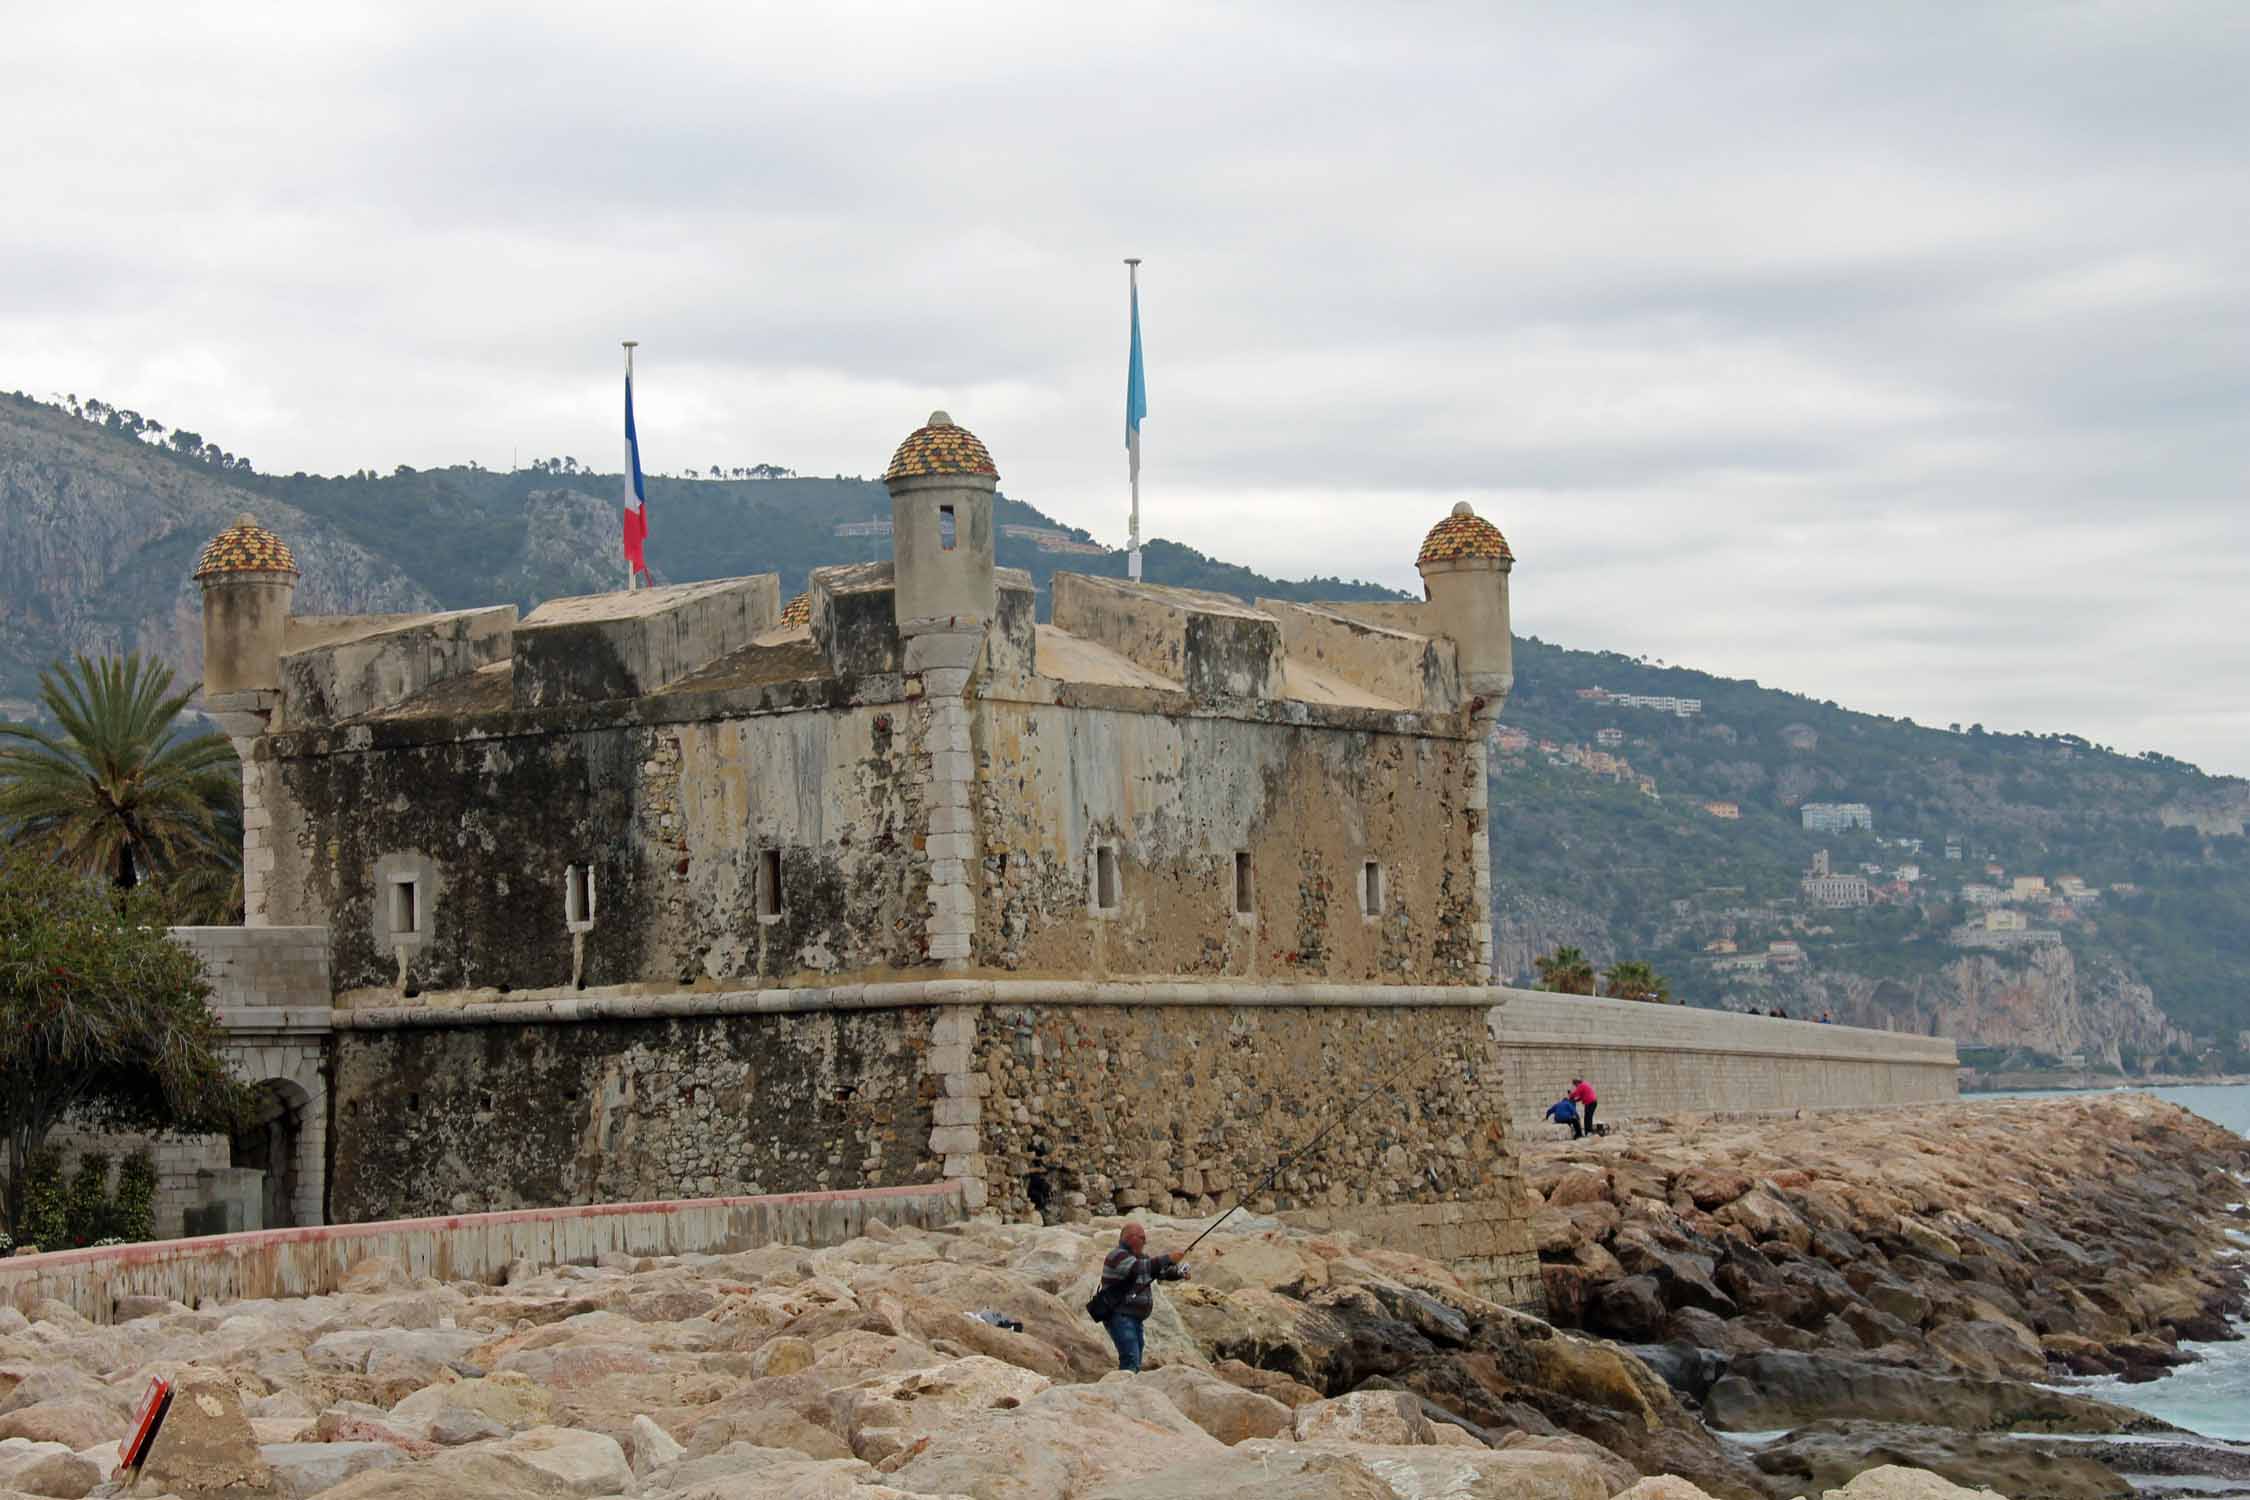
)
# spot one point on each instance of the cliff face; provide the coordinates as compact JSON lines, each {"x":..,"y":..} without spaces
{"x":103,"y":539}
{"x":2044,"y":1000}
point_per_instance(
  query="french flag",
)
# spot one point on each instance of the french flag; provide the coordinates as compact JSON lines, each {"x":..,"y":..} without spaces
{"x":636,"y":494}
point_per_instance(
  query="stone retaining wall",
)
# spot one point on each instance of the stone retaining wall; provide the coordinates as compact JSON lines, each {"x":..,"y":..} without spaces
{"x":474,"y":1247}
{"x":1668,"y":1059}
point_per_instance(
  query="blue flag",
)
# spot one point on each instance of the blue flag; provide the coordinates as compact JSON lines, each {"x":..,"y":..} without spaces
{"x":1136,"y":389}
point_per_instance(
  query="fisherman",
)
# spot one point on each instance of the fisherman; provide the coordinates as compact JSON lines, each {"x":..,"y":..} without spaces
{"x":1127,"y":1284}
{"x":1582,"y":1094}
{"x":1564,"y":1112}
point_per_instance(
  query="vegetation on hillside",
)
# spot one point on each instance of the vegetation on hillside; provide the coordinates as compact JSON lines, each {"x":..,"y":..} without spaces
{"x":1659,"y":874}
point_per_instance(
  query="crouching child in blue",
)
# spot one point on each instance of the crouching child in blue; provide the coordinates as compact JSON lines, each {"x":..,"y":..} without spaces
{"x":1128,"y":1279}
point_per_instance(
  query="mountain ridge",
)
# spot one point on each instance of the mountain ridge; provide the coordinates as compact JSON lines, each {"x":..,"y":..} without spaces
{"x":108,"y":524}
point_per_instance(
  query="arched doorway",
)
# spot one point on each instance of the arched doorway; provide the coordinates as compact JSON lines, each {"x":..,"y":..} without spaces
{"x":272,"y":1143}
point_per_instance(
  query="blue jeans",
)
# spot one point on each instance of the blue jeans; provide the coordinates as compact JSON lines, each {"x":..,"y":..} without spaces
{"x":1125,"y":1333}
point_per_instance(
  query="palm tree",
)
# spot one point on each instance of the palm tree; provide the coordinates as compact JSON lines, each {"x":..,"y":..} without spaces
{"x":119,"y":791}
{"x":1565,"y":971}
{"x":1634,"y":980}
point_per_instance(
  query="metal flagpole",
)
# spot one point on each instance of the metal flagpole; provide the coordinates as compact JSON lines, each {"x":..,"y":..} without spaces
{"x":1133,"y":447}
{"x":632,"y":579}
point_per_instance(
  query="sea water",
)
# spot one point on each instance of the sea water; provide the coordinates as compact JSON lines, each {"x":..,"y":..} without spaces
{"x":2211,"y":1396}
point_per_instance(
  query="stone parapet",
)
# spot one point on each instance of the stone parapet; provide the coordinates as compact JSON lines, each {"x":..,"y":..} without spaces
{"x":476,"y":1247}
{"x":1667,"y":1059}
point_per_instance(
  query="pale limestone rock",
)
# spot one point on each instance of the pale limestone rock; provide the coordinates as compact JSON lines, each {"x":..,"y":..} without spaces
{"x":205,"y":1445}
{"x":302,"y":1469}
{"x":653,"y":1447}
{"x":1661,"y":1487}
{"x":889,"y":1414}
{"x":1062,"y":1442}
{"x":1390,"y":1417}
{"x":1302,"y":1474}
{"x":1897,"y":1482}
{"x":586,"y":1463}
{"x":46,"y":1469}
{"x":1431,"y":1472}
{"x":508,"y":1397}
{"x":1224,"y":1410}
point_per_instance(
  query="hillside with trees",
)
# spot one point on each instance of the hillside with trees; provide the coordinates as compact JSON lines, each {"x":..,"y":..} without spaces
{"x":107,"y":508}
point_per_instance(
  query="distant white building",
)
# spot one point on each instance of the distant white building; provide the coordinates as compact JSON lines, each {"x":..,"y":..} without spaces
{"x":1837,"y":817}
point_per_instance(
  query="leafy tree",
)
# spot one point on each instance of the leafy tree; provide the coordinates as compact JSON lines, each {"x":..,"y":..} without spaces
{"x":102,"y":1017}
{"x":119,"y":790}
{"x":1566,"y":971}
{"x":1633,"y":980}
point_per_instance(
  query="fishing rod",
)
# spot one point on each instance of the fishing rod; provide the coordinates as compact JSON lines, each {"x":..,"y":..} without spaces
{"x":1287,"y":1161}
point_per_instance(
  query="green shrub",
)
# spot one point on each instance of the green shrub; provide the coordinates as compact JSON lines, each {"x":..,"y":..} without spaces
{"x":132,"y":1213}
{"x":45,"y":1220}
{"x":86,"y":1207}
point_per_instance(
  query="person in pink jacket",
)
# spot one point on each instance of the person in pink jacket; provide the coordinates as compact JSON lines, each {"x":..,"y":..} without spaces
{"x":1582,"y":1094}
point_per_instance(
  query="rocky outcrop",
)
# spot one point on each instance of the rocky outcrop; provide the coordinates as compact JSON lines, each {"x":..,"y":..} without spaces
{"x":104,"y":535}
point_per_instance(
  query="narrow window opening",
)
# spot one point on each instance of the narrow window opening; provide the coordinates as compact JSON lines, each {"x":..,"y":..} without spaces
{"x":769,"y":882}
{"x":578,"y":895}
{"x":1105,"y":877}
{"x":1371,"y":888}
{"x":1242,"y":891}
{"x":406,"y":907}
{"x":945,"y":528}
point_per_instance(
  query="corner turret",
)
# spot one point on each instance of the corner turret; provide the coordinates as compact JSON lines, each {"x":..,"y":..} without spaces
{"x":1464,"y":564}
{"x":941,"y":481}
{"x":249,"y":580}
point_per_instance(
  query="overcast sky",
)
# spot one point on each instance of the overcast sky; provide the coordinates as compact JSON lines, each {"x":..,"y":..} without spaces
{"x":1895,"y":354}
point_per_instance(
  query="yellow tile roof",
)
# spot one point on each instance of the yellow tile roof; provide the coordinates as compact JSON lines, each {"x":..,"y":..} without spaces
{"x":1463,"y":534}
{"x":939,"y":447}
{"x":245,"y":547}
{"x":797,"y":611}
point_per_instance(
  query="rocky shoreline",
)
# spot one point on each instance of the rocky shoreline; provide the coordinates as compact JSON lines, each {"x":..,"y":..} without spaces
{"x":1903,"y":1274}
{"x":1893,"y":1287}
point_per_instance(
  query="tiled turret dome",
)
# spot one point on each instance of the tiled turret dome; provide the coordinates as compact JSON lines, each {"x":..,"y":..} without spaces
{"x":939,"y":447}
{"x":797,"y":611}
{"x":1462,"y":535}
{"x":245,"y":547}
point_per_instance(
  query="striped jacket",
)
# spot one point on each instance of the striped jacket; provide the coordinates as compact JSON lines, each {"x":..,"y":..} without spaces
{"x":1135,"y":1273}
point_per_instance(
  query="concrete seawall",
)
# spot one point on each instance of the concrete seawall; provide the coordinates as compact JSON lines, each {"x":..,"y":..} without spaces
{"x":467,"y":1247}
{"x":1670,"y":1059}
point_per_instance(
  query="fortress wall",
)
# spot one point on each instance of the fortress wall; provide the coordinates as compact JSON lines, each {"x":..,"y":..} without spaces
{"x":442,"y":1119}
{"x":1178,"y":797}
{"x":1181,"y":1110}
{"x":1087,"y":1098}
{"x":1670,"y":1059}
{"x":673,"y":820}
{"x":480,"y":1247}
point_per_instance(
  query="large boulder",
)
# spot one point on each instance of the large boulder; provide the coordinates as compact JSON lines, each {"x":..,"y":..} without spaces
{"x":1447,"y":1472}
{"x":888,"y":1414}
{"x":1063,"y":1442}
{"x":303,"y":1469}
{"x":1783,"y":1389}
{"x":512,"y":1399}
{"x":1225,"y":1410}
{"x":205,"y":1446}
{"x":46,"y":1469}
{"x":1825,"y":1455}
{"x":1390,"y":1417}
{"x":1270,"y":1474}
{"x":584,"y":1463}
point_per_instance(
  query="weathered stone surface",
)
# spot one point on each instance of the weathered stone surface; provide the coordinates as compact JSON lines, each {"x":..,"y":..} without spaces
{"x":1421,"y":1472}
{"x":1269,"y":1474}
{"x":1826,"y":1455}
{"x":205,"y":1446}
{"x":890,"y":1414}
{"x":1063,"y":1441}
{"x":1225,"y":1410}
{"x":46,"y":1469}
{"x":303,"y":1469}
{"x":1388,"y":1417}
{"x":583,"y":1463}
